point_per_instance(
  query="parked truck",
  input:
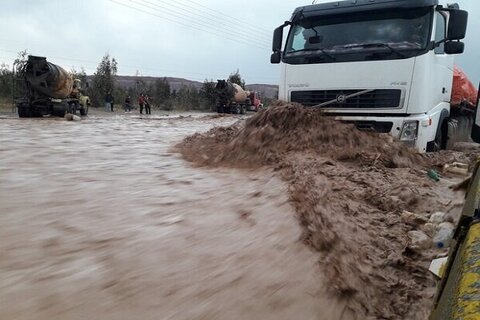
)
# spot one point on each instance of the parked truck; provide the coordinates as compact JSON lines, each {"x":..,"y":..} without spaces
{"x":232,"y":98}
{"x":47,"y":89}
{"x":385,"y":65}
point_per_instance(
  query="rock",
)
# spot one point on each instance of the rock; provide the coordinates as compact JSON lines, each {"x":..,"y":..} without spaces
{"x":429,"y":229}
{"x":437,"y":218}
{"x":72,"y":117}
{"x":418,"y":240}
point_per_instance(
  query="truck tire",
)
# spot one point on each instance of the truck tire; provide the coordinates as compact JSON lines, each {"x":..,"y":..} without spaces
{"x":23,"y":112}
{"x":59,"y":113}
{"x":243,"y":109}
{"x":440,"y":142}
{"x":236,"y":109}
{"x":83,"y":110}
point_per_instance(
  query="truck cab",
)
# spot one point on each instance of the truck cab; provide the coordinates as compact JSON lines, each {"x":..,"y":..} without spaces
{"x":384,"y":65}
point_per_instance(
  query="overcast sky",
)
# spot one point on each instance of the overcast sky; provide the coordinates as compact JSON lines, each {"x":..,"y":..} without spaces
{"x":193,"y":39}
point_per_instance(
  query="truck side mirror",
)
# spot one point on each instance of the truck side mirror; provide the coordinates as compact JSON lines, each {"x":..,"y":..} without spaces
{"x":454,"y":47}
{"x":457,"y":24}
{"x":476,"y":124}
{"x":277,"y":39}
{"x":276,"y":57}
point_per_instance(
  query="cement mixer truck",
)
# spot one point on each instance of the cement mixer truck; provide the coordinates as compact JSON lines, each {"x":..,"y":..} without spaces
{"x":232,"y":98}
{"x":386,"y":66}
{"x":48,"y":90}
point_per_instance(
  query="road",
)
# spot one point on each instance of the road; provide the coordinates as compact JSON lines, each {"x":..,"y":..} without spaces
{"x":100,"y":219}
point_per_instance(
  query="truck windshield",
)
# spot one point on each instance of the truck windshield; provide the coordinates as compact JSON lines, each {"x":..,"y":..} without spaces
{"x":380,"y":34}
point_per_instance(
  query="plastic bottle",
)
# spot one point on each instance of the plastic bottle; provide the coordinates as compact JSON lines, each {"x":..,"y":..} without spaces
{"x":433,"y":175}
{"x":444,"y":235}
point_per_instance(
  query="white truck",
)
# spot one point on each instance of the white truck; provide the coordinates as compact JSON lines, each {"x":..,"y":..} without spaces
{"x":384,"y":65}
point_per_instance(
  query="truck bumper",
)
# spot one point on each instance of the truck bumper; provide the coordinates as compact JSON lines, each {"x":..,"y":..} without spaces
{"x":424,"y":132}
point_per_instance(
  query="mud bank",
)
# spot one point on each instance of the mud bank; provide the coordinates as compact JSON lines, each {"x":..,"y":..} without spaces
{"x":349,"y":189}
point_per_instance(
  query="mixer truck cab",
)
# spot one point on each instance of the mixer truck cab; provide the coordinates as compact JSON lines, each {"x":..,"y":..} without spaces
{"x":384,"y":65}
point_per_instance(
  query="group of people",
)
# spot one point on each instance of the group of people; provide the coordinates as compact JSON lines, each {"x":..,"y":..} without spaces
{"x":143,"y":102}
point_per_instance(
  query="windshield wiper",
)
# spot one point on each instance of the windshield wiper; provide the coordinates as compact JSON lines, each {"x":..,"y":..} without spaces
{"x":331,"y":56}
{"x":314,"y":51}
{"x":376,"y":44}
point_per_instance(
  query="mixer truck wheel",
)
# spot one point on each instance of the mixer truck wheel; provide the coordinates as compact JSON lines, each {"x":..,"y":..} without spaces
{"x":23,"y":112}
{"x":59,"y":113}
{"x":243,"y":110}
{"x":71,"y":108}
{"x":83,"y":110}
{"x":236,"y":109}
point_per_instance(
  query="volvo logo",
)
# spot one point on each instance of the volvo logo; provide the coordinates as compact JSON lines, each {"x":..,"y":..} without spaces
{"x":341,"y":98}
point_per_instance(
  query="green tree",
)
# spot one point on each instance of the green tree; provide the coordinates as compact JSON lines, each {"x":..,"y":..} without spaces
{"x":22,"y":57}
{"x":208,"y":95}
{"x":235,"y":77}
{"x":6,"y":81}
{"x":104,"y":81}
{"x":187,"y":98}
{"x":162,"y":90}
{"x":81,"y":75}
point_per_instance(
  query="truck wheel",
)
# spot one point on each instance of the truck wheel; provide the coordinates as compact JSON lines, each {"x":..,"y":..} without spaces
{"x":83,"y":110}
{"x":440,"y":141}
{"x":71,"y":108}
{"x":23,"y":112}
{"x":243,"y":110}
{"x":236,"y":109}
{"x":59,"y":113}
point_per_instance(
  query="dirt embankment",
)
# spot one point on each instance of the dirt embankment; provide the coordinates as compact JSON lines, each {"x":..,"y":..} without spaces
{"x":349,"y":189}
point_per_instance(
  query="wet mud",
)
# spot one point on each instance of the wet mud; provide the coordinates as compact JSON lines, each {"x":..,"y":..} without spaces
{"x":350,"y":190}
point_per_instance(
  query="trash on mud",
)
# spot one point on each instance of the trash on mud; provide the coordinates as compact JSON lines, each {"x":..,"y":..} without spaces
{"x":419,"y":240}
{"x":437,"y":267}
{"x":432,"y":174}
{"x":456,"y":168}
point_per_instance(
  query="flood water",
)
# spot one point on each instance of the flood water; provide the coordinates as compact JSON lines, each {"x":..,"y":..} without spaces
{"x":99,"y":219}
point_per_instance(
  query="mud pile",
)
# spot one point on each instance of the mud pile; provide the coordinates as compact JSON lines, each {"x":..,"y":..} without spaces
{"x":268,"y":136}
{"x":349,"y":189}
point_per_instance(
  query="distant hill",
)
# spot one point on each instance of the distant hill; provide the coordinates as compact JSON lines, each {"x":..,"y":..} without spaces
{"x":265,"y":90}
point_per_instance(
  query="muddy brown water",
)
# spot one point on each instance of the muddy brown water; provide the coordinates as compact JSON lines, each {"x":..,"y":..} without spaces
{"x":100,"y":220}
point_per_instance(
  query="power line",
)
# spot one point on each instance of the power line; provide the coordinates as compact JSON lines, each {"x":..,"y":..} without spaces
{"x":225,"y":15}
{"x":217,"y":18}
{"x":187,"y":25}
{"x":199,"y":23}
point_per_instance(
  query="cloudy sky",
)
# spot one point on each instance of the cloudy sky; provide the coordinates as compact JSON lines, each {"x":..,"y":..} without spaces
{"x":194,"y":39}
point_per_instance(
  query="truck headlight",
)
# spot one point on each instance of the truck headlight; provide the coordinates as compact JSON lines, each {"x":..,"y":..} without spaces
{"x":409,"y":131}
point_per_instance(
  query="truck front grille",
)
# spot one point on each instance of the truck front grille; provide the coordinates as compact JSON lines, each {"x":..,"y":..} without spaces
{"x":339,"y":99}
